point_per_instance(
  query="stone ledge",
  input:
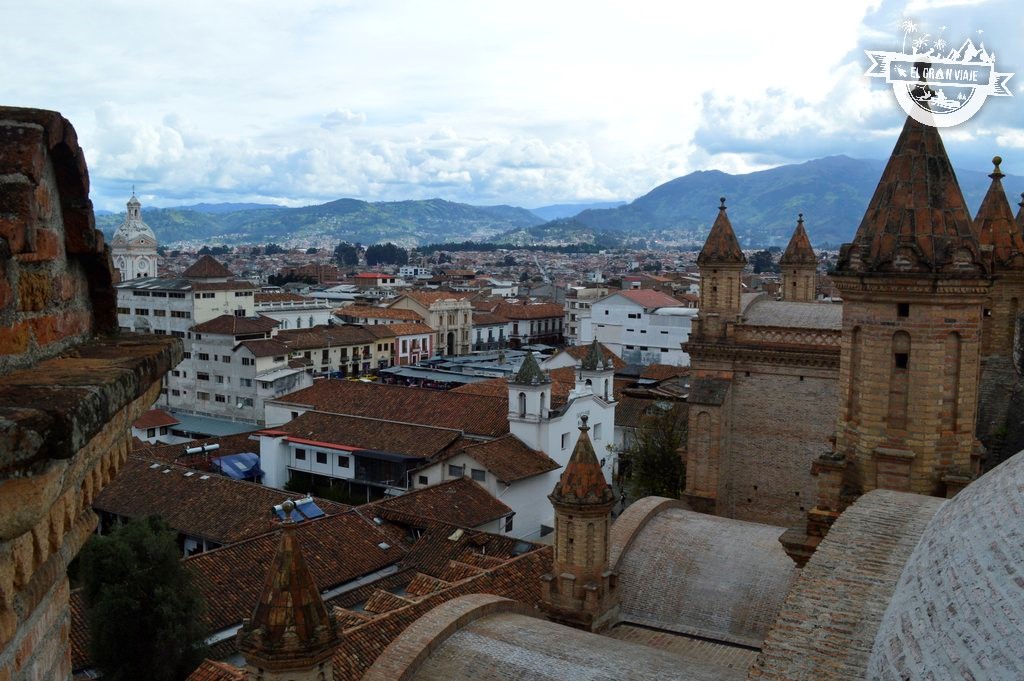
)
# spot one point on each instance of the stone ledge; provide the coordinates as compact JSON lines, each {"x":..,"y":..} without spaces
{"x":51,"y":410}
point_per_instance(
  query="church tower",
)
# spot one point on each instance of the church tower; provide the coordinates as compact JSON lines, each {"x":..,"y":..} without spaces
{"x":596,"y":373}
{"x":290,"y":636}
{"x":913,"y":282}
{"x":581,"y":590}
{"x":134,"y":245}
{"x":799,"y":267}
{"x":721,"y":264}
{"x":529,"y":399}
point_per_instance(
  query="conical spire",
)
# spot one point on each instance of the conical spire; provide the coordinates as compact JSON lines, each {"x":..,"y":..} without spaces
{"x":529,"y":372}
{"x":582,"y":480}
{"x":799,"y":250}
{"x":996,"y":226}
{"x":917,"y":220}
{"x":721,"y":247}
{"x":594,"y":359}
{"x":1020,"y":212}
{"x":290,"y":627}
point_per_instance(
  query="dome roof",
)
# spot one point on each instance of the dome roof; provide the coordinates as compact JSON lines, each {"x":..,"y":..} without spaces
{"x":133,"y":228}
{"x":956,"y":612}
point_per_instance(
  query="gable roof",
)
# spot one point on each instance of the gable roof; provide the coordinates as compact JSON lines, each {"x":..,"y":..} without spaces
{"x":207,"y":267}
{"x":325,"y":334}
{"x":508,"y":458}
{"x":230,"y":325}
{"x":367,"y":433}
{"x":155,"y":418}
{"x":529,"y":311}
{"x":266,"y":347}
{"x":799,"y":251}
{"x":472,"y":414}
{"x":581,"y":351}
{"x":649,"y":298}
{"x":459,"y":502}
{"x":721,"y":246}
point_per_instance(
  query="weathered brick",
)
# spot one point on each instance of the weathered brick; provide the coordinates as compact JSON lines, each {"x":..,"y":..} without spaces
{"x":33,"y":291}
{"x":14,"y":339}
{"x":47,"y":247}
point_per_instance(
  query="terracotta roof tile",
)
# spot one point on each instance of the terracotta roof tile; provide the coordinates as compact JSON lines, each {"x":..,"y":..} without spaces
{"x":325,"y":334}
{"x":459,"y":502}
{"x":230,"y":325}
{"x":917,"y":220}
{"x":279,"y":298}
{"x":582,"y":480}
{"x":996,"y":226}
{"x":211,"y":670}
{"x":369,"y":433}
{"x":721,"y":246}
{"x":799,"y":250}
{"x":663,"y":372}
{"x":216,"y":508}
{"x":227,"y":444}
{"x":268,"y":347}
{"x":508,"y":458}
{"x":580,"y":351}
{"x":472,"y":414}
{"x":155,"y":418}
{"x":488,"y":319}
{"x":530,"y":311}
{"x":405,"y":329}
{"x":79,"y":634}
{"x":368,"y":312}
{"x":649,"y":298}
{"x":207,"y":267}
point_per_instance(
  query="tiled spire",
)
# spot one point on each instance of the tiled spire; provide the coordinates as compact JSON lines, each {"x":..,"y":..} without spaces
{"x":721,"y":246}
{"x":799,"y":251}
{"x":917,"y":220}
{"x":594,"y":359}
{"x":529,"y":372}
{"x":1020,"y":212}
{"x":582,"y":481}
{"x":290,"y":627}
{"x":996,"y":226}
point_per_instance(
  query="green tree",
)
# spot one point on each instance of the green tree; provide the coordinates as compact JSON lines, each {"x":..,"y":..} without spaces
{"x":346,"y":255}
{"x":386,"y":254}
{"x":312,"y":250}
{"x":762,"y":261}
{"x":272,"y":249}
{"x":653,"y":464}
{"x":143,"y":609}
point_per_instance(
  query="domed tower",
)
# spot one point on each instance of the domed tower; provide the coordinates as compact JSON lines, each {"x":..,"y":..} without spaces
{"x":290,"y":636}
{"x":581,"y":590}
{"x":721,"y":264}
{"x":913,"y":282}
{"x":529,"y":401}
{"x":134,"y":245}
{"x":799,"y":267}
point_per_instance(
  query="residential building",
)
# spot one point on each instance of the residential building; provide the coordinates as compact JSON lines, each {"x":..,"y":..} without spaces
{"x":369,"y":315}
{"x":411,"y":342}
{"x":337,"y":350}
{"x":490,"y":331}
{"x":578,"y":303}
{"x":450,"y":314}
{"x":294,"y":311}
{"x":642,"y":326}
{"x":533,"y":323}
{"x":414,"y":272}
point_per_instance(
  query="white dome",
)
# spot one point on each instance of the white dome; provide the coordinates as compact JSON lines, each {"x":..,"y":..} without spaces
{"x":133,"y":231}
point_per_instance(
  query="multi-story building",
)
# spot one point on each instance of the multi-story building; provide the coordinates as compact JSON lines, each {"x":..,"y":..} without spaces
{"x":578,"y":303}
{"x":490,"y":331}
{"x":448,"y":313}
{"x":292,"y":310}
{"x":642,"y":326}
{"x":337,"y":350}
{"x":369,"y":315}
{"x":533,"y":322}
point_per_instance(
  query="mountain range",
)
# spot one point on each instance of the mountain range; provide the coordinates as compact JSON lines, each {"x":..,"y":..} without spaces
{"x":831,"y":192}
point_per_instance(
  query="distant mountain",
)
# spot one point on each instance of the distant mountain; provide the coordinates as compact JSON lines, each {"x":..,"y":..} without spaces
{"x":408,"y":223}
{"x":218,"y":208}
{"x":831,"y":192}
{"x":567,"y":210}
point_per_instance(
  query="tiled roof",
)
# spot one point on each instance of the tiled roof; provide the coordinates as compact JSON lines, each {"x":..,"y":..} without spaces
{"x":211,"y":670}
{"x":460,"y":502}
{"x":996,"y":226}
{"x":155,"y":418}
{"x":367,"y":433}
{"x":207,"y":267}
{"x":662,"y":372}
{"x":227,"y":444}
{"x":582,"y":481}
{"x":508,"y":458}
{"x":649,"y":298}
{"x":593,"y":360}
{"x":279,"y":298}
{"x":563,"y":380}
{"x":211,"y":506}
{"x":428,"y":298}
{"x":267,"y":347}
{"x":230,"y":325}
{"x":767,"y":312}
{"x":79,"y":634}
{"x":324,"y":335}
{"x":411,"y":329}
{"x":530,"y":311}
{"x":368,"y":312}
{"x":629,"y":411}
{"x":529,"y":371}
{"x":799,"y":251}
{"x":338,"y":549}
{"x":917,"y":219}
{"x":721,"y":246}
{"x":488,"y":319}
{"x":473,"y":414}
{"x":580,"y":351}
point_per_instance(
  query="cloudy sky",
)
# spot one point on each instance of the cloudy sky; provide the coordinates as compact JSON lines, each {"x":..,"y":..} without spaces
{"x":523,"y":102}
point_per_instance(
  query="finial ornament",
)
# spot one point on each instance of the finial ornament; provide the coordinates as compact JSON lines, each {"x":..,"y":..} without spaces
{"x":800,"y":218}
{"x":996,"y":172}
{"x":583,"y":423}
{"x":722,"y":199}
{"x":1021,"y":204}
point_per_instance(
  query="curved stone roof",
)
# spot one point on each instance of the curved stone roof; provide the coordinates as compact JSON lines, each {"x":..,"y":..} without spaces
{"x":789,"y":314}
{"x":958,"y":609}
{"x":706,"y":576}
{"x":475,"y":638}
{"x":831,"y":616}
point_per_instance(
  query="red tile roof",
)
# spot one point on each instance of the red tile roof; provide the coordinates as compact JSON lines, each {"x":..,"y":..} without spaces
{"x":210,"y":506}
{"x":155,"y":418}
{"x":531,"y":311}
{"x":368,"y":312}
{"x":412,"y":329}
{"x":996,"y":226}
{"x":279,"y":298}
{"x":473,"y":414}
{"x":582,"y":480}
{"x":325,"y":335}
{"x":368,"y":433}
{"x":799,"y":251}
{"x":649,"y":298}
{"x":460,"y":502}
{"x":211,"y":670}
{"x":207,"y":267}
{"x":230,"y":325}
{"x":428,"y":298}
{"x":721,"y":246}
{"x":268,"y":347}
{"x":580,"y":351}
{"x":227,"y":444}
{"x":662,"y":372}
{"x":488,"y":319}
{"x":509,"y":459}
{"x":79,"y":634}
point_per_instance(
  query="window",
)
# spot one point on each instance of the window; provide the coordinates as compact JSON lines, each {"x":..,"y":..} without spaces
{"x":245,"y":402}
{"x":142,"y":311}
{"x":478,"y":475}
{"x":597,"y":431}
{"x":220,"y":398}
{"x":245,"y":382}
{"x":178,"y":334}
{"x":204,"y":397}
{"x":175,"y":373}
{"x":248,"y":361}
{"x":633,"y":315}
{"x":422,"y":480}
{"x":124,"y":310}
{"x":202,"y":376}
{"x":321,"y":457}
{"x":226,"y":359}
{"x":186,"y":355}
{"x":175,"y":392}
{"x":902,"y":309}
{"x":151,"y":432}
{"x":204,"y":356}
{"x":508,"y":524}
{"x":455,"y":471}
{"x":300,"y":454}
{"x":565,"y":440}
{"x":902,"y":360}
{"x":159,"y":313}
{"x":343,"y":461}
{"x":181,"y":314}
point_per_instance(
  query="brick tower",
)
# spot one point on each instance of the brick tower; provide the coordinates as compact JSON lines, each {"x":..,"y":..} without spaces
{"x":799,"y":267}
{"x":1003,"y":249}
{"x":913,"y":283}
{"x":721,"y":264}
{"x":290,"y":636}
{"x":581,"y":589}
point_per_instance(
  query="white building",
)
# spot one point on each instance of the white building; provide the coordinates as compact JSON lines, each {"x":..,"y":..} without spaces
{"x":294,"y":311}
{"x":578,"y":303}
{"x":134,"y":245}
{"x":414,"y":272}
{"x":641,"y":326}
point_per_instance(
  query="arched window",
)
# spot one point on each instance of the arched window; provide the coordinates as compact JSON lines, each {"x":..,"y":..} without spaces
{"x":606,"y":388}
{"x":542,"y":399}
{"x":522,"y":404}
{"x":899,"y":381}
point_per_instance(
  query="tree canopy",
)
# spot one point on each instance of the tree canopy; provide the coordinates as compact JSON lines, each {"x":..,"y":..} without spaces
{"x":386,"y":254}
{"x":345,"y":254}
{"x":654,"y":465}
{"x":762,"y":261}
{"x":143,"y":609}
